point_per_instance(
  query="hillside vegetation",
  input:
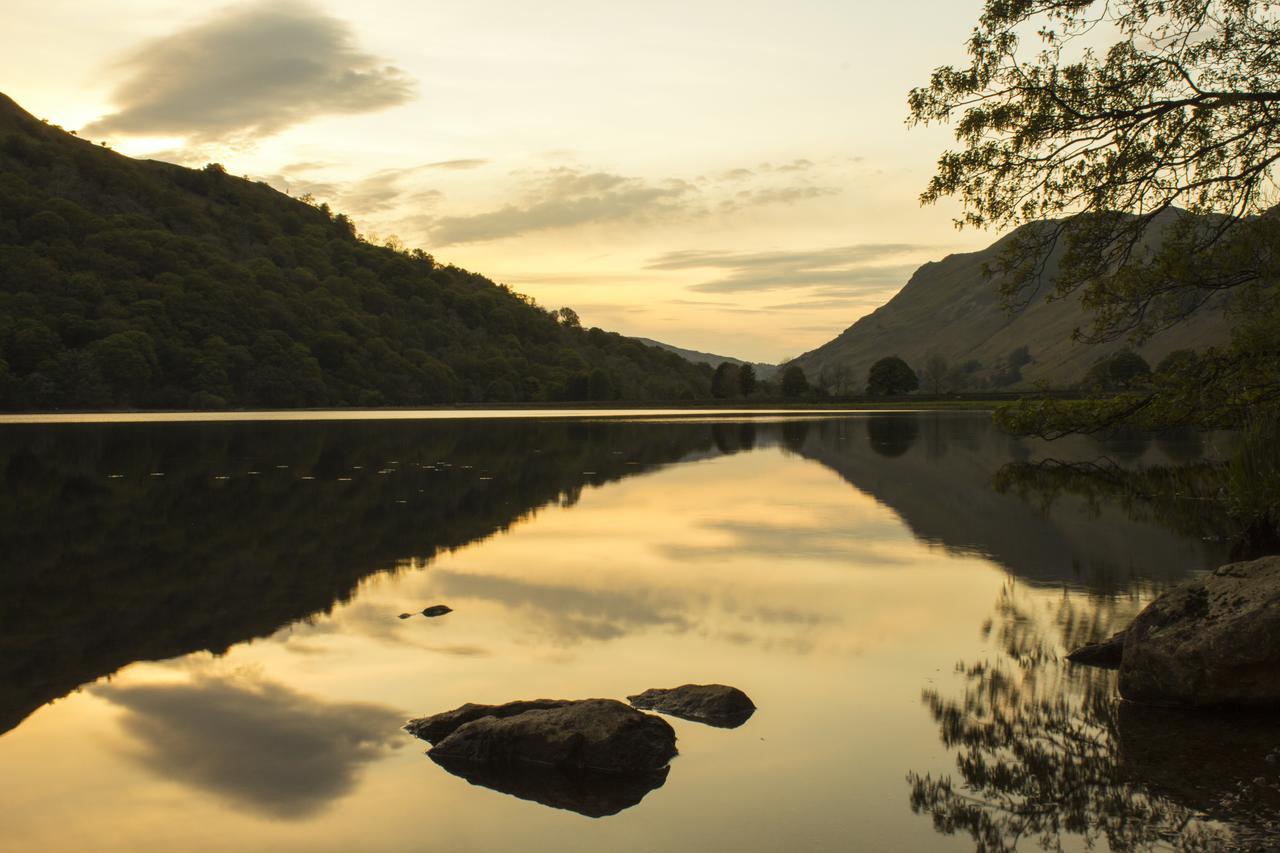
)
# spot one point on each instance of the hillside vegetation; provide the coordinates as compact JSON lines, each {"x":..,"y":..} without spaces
{"x":128,"y":283}
{"x":952,"y":309}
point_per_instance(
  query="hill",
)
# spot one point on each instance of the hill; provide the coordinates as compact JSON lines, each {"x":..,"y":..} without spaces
{"x":129,"y":283}
{"x":952,"y":308}
{"x":763,"y":370}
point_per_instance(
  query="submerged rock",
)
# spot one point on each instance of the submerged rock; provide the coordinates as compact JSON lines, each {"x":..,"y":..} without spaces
{"x":405,"y":615}
{"x":1106,"y":653}
{"x":1214,"y":640}
{"x":437,"y":610}
{"x":713,"y":704}
{"x":588,"y":792}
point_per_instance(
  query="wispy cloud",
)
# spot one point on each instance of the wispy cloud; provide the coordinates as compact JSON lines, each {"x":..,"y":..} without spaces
{"x":564,"y":197}
{"x":458,"y":165}
{"x":840,"y":271}
{"x":249,"y":72}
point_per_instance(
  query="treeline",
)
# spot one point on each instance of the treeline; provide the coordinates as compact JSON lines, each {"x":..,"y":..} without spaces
{"x":140,"y":284}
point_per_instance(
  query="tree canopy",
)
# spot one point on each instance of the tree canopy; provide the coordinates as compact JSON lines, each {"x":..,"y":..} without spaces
{"x":891,"y":375}
{"x":1132,"y":146}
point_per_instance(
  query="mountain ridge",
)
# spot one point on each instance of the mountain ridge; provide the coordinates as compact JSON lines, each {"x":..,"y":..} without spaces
{"x":951,"y":307}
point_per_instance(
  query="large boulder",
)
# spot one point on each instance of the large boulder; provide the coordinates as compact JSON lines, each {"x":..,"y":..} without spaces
{"x":437,"y":727}
{"x":1214,"y":640}
{"x":714,"y":704}
{"x":601,"y":735}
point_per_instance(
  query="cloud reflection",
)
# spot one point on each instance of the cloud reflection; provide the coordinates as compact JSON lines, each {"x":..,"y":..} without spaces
{"x":259,"y":745}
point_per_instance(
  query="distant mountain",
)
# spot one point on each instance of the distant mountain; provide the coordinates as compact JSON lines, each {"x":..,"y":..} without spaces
{"x":763,"y":370}
{"x":952,"y":308}
{"x":131,"y":283}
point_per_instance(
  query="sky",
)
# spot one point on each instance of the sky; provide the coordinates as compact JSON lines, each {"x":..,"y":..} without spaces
{"x":733,"y":177}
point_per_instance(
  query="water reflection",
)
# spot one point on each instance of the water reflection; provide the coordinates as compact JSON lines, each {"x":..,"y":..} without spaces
{"x":587,"y":792}
{"x":1044,"y":751}
{"x":792,"y":558}
{"x":259,"y":745}
{"x":892,"y":435}
{"x":254,"y":526}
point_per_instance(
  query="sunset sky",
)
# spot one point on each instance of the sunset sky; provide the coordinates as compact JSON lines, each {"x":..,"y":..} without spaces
{"x":735,"y":177}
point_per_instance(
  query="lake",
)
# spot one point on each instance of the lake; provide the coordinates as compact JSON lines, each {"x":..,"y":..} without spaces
{"x":203,"y":650}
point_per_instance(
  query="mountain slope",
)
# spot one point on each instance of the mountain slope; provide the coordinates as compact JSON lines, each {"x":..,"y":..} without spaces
{"x":127,"y":283}
{"x":763,"y":370}
{"x":952,"y":308}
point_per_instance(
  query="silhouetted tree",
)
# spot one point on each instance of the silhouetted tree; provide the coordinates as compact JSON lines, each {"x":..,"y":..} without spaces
{"x":746,"y":379}
{"x":724,"y":382}
{"x":1137,"y":174}
{"x":794,"y":382}
{"x":934,"y":376}
{"x":891,"y":375}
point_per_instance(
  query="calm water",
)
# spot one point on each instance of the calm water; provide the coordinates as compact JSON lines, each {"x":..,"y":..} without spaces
{"x":200,"y":646}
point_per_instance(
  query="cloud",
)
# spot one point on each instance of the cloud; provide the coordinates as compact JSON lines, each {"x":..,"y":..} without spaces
{"x":246,"y":73}
{"x":571,"y":614}
{"x":457,"y":164}
{"x":259,"y":745}
{"x":840,"y":271}
{"x":564,"y":197}
{"x":775,"y":195}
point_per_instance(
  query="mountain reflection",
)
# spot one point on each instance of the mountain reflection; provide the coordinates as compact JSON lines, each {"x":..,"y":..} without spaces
{"x":260,"y":746}
{"x":1045,"y":752}
{"x":150,"y":541}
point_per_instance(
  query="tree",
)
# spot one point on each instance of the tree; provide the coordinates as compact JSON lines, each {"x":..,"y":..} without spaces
{"x":891,"y":375}
{"x":724,"y":382}
{"x":1126,"y":369}
{"x":568,"y":317}
{"x":1153,"y":161}
{"x":935,"y":373}
{"x":794,"y":382}
{"x":746,"y":379}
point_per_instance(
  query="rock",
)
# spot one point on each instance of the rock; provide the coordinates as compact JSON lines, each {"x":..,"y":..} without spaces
{"x":1214,"y":640}
{"x":603,"y":735}
{"x":1106,"y":654}
{"x":713,"y":704}
{"x":587,"y":792}
{"x":405,"y":615}
{"x":437,"y":610}
{"x":436,"y":728}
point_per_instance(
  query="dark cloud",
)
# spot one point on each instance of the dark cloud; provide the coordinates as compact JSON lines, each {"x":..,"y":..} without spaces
{"x":249,"y":72}
{"x":566,"y":197}
{"x":840,"y":271}
{"x":259,"y":745}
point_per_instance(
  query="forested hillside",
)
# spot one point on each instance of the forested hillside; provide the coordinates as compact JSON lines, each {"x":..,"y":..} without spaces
{"x":140,"y":284}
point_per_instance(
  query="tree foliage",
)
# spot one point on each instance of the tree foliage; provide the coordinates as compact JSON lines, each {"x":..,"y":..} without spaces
{"x":130,"y":283}
{"x":794,"y":382}
{"x":1151,"y":156}
{"x":891,"y":375}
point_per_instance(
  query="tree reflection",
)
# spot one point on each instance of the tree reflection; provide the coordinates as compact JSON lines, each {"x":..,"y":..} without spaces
{"x":892,"y":435}
{"x":1044,"y":751}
